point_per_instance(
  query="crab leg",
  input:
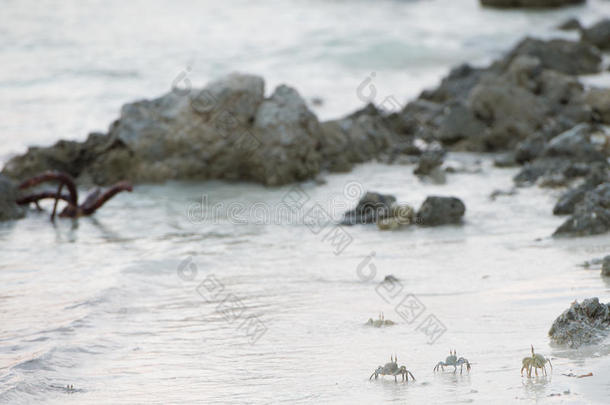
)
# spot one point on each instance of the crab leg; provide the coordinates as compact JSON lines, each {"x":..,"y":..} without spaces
{"x":91,"y":206}
{"x":61,"y":186}
{"x":34,"y":198}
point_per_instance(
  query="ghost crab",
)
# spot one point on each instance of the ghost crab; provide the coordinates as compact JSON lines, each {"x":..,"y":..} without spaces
{"x":452,"y":360}
{"x":381,"y":321}
{"x":536,"y":361}
{"x":392,"y":368}
{"x":92,"y":202}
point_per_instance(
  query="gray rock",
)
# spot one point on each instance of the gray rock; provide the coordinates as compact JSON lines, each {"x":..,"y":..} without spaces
{"x":568,"y":57}
{"x":529,"y":3}
{"x":606,"y":266}
{"x":507,"y":159}
{"x":371,"y":208}
{"x":570,"y":24}
{"x":583,"y":323}
{"x":567,"y":202}
{"x":428,"y":161}
{"x":599,"y":101}
{"x":8,"y":195}
{"x":440,"y":210}
{"x":591,"y":216}
{"x":598,"y":34}
{"x":575,"y":144}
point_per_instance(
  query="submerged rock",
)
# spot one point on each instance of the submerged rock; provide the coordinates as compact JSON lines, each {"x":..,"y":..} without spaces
{"x":598,"y":34}
{"x":8,"y":195}
{"x":529,"y":3}
{"x":582,"y":323}
{"x":591,"y":216}
{"x":371,"y":208}
{"x":440,"y":210}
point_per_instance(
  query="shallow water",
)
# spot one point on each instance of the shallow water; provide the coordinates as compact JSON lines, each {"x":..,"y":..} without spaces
{"x":101,"y":303}
{"x":111,"y":304}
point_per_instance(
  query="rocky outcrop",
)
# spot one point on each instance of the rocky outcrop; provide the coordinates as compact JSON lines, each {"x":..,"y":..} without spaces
{"x":598,"y":34}
{"x":591,"y":216}
{"x":583,"y":323}
{"x":8,"y":195}
{"x":566,"y":156}
{"x":440,"y":211}
{"x":371,"y":208}
{"x":530,"y":3}
{"x":599,"y":173}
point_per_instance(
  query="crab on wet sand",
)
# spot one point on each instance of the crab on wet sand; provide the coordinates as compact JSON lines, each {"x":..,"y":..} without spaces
{"x":379,"y":322}
{"x":392,"y":368}
{"x":452,"y":360}
{"x":535,"y":361}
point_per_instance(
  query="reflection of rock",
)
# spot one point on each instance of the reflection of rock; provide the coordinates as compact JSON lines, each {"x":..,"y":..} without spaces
{"x":370,"y":209}
{"x":529,"y":3}
{"x":591,"y":216}
{"x":598,"y":34}
{"x":8,"y":195}
{"x":440,"y":211}
{"x":582,"y":323}
{"x":606,"y":266}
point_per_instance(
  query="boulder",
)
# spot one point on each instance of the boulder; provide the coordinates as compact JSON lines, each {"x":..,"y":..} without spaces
{"x":591,"y":216}
{"x":598,"y":34}
{"x":8,"y":195}
{"x":583,"y":323}
{"x":564,"y":56}
{"x":567,"y":202}
{"x":371,"y":208}
{"x":440,"y":210}
{"x":529,"y":3}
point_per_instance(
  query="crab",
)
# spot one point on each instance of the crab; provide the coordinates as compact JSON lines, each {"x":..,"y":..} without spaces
{"x":381,"y":321}
{"x":536,"y":361}
{"x":392,"y":368}
{"x":452,"y":360}
{"x":92,"y":202}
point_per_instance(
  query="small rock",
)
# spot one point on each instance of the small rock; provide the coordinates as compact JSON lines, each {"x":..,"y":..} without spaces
{"x":440,"y":210}
{"x":370,"y":209}
{"x":582,"y":323}
{"x":505,"y":160}
{"x":428,"y":161}
{"x":497,"y":193}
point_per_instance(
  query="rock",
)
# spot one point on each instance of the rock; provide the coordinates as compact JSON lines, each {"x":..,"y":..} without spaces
{"x":568,"y":57}
{"x":8,"y":195}
{"x":459,"y":123}
{"x":428,"y":161}
{"x":529,"y":3}
{"x":606,"y":266}
{"x":582,"y":323}
{"x":370,"y":209}
{"x":599,"y":100}
{"x":591,"y":216}
{"x":507,"y":159}
{"x":575,"y":144}
{"x":501,"y":193}
{"x":456,"y":86}
{"x":566,"y":203}
{"x":440,"y":210}
{"x":598,"y":34}
{"x":228,"y":130}
{"x":570,"y":24}
{"x":356,"y":138}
